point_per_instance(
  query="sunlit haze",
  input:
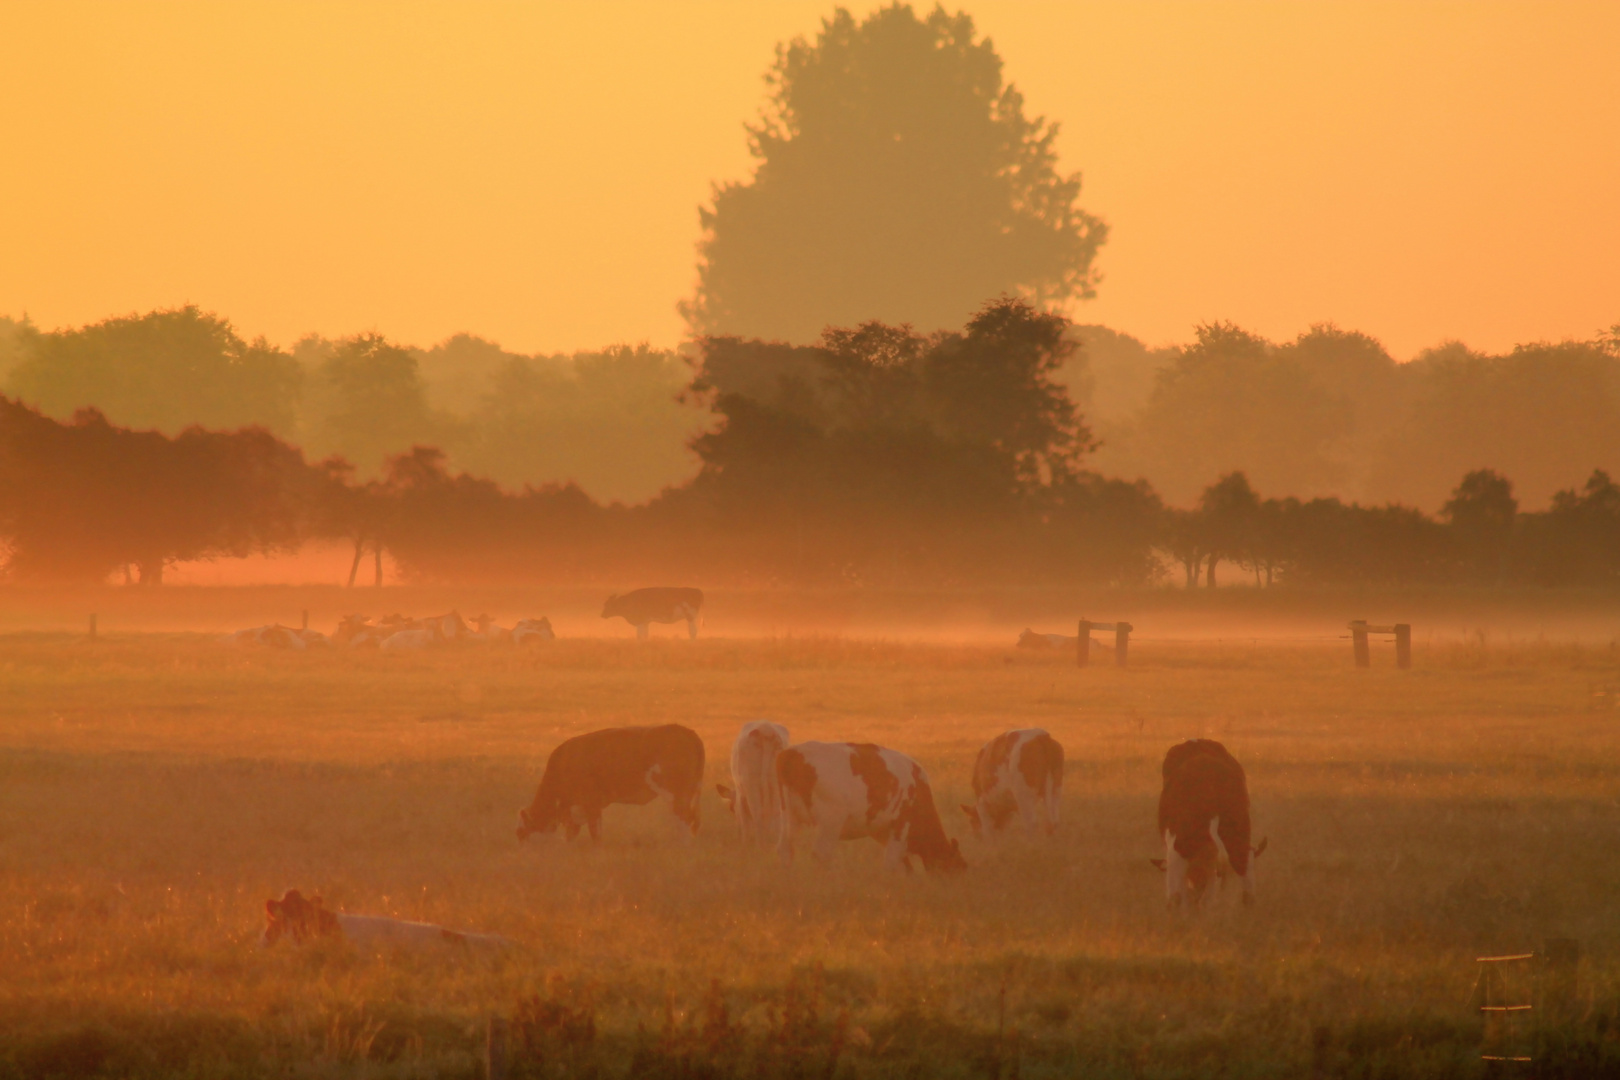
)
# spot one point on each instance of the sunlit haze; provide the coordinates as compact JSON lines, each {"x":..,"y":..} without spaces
{"x":532,"y":173}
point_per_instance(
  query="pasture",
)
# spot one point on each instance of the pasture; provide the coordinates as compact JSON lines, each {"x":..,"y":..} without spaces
{"x":157,"y":788}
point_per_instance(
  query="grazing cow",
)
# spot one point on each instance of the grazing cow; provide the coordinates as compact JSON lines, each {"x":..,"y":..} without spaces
{"x":631,"y":765}
{"x":1018,"y":771}
{"x":1029,"y":639}
{"x":301,"y":919}
{"x":1203,"y":815}
{"x":532,"y":631}
{"x":656,"y":606}
{"x":756,"y":800}
{"x":850,"y":790}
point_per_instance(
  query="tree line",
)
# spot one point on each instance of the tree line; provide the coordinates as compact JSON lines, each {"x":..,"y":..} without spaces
{"x":877,"y":456}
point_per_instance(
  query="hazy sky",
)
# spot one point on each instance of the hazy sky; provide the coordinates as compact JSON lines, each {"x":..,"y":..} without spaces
{"x":531,"y":172}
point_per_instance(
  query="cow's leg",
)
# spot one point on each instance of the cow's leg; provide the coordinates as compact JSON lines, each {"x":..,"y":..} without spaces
{"x":1028,"y":810}
{"x":1054,"y":792}
{"x":1175,"y":874}
{"x":747,"y":821}
{"x":828,"y":833}
{"x":784,"y":839}
{"x":641,"y":631}
{"x":895,"y":853}
{"x":691,"y":621}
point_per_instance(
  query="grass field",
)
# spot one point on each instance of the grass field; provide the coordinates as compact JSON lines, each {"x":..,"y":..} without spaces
{"x":155,"y":789}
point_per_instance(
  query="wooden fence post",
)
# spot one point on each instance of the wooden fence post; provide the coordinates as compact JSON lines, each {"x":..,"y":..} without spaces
{"x":1358,"y":633}
{"x":92,"y":626}
{"x":1122,"y":642}
{"x":1083,"y":644}
{"x":496,"y":1050}
{"x":1403,"y":645}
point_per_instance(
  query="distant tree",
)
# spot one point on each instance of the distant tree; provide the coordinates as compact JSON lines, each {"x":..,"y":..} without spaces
{"x":81,"y":499}
{"x":369,"y":402}
{"x":18,"y":337}
{"x":1541,"y":414}
{"x":1230,"y":510}
{"x":896,"y":179}
{"x":1481,"y":513}
{"x":167,"y":370}
{"x":1231,"y":402}
{"x":1577,"y":541}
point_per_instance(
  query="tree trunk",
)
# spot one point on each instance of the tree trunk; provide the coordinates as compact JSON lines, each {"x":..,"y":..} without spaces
{"x":378,"y":550}
{"x":151,"y":572}
{"x":359,"y":553}
{"x":1210,"y":581}
{"x":1190,"y":565}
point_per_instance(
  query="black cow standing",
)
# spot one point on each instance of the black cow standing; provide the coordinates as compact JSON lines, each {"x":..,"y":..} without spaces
{"x":662,"y":605}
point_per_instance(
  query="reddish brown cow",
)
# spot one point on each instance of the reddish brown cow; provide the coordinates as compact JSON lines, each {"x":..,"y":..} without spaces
{"x":632,"y":765}
{"x":1204,"y":808}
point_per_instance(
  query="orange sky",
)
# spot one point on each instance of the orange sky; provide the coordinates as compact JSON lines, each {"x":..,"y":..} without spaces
{"x":531,"y":172}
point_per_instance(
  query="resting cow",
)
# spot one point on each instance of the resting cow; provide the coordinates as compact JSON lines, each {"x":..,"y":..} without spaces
{"x":851,"y":790}
{"x":656,"y":606}
{"x":1029,"y":639}
{"x":630,"y":765}
{"x":301,"y":919}
{"x":1018,"y":771}
{"x":1203,"y":820}
{"x":532,"y":631}
{"x":277,"y":636}
{"x":756,"y":800}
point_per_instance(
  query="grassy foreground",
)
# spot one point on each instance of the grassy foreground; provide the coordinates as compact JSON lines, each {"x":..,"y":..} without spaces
{"x":156,"y":789}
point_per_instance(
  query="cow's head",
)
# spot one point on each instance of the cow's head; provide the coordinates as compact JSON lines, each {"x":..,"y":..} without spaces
{"x":1206,"y":865}
{"x":610,"y":607}
{"x":292,"y":916}
{"x":539,"y":818}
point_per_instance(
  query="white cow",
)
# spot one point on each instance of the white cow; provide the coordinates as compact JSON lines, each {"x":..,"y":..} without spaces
{"x":756,"y":798}
{"x":1029,"y":639}
{"x":486,"y":630}
{"x":411,"y":639}
{"x":850,"y":790}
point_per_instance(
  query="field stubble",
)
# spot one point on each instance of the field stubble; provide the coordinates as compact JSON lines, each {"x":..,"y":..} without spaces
{"x":156,"y":789}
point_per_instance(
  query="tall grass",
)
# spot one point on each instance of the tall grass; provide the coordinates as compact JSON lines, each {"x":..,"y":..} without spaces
{"x":155,"y":790}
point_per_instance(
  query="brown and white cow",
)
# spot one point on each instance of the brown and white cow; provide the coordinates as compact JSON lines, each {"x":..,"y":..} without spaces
{"x":277,"y":636}
{"x":755,"y":799}
{"x":629,"y":765}
{"x":1204,"y":820}
{"x":659,"y":605}
{"x":851,"y":790}
{"x":301,"y":919}
{"x":1018,"y":772}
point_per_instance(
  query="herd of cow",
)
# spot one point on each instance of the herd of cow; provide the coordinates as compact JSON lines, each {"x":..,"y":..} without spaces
{"x":843,"y":791}
{"x":638,"y":608}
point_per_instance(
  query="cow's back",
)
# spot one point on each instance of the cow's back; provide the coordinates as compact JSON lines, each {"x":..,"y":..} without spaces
{"x":604,"y":766}
{"x":660,"y":600}
{"x":1202,"y":781}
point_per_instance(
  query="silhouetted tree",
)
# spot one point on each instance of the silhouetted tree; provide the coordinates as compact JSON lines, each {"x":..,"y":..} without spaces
{"x":1481,"y":513}
{"x":897,"y":179}
{"x":369,"y":402}
{"x":81,"y":499}
{"x":166,"y":369}
{"x":1230,"y":510}
{"x":1577,"y":541}
{"x":1231,"y":402}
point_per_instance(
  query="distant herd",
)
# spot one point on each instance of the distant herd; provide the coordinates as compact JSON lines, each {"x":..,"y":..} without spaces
{"x":839,"y":790}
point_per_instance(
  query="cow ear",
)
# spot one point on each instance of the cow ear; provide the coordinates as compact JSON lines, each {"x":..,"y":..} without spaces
{"x":1157,"y":862}
{"x":726,"y":793}
{"x":1261,"y":849}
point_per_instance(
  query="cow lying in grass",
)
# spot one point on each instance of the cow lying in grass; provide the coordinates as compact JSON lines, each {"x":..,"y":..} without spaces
{"x":301,"y":919}
{"x":277,"y":636}
{"x":1029,"y":639}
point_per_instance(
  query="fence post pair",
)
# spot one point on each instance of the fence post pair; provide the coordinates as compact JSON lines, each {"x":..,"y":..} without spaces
{"x":1122,"y":641}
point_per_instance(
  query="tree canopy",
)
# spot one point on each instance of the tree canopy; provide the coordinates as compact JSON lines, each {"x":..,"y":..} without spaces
{"x":897,"y":179}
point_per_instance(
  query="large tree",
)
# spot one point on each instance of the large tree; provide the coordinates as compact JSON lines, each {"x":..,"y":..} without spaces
{"x":897,"y":179}
{"x":165,"y":369}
